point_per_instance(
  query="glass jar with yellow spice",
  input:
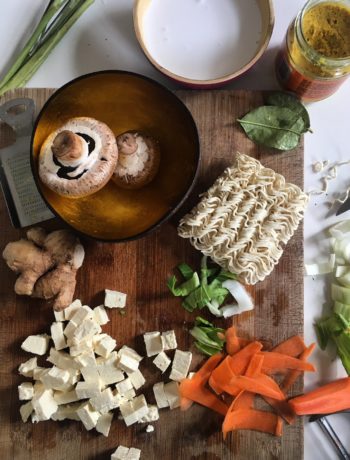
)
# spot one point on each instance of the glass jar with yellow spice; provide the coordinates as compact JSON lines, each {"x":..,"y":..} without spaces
{"x":315,"y":58}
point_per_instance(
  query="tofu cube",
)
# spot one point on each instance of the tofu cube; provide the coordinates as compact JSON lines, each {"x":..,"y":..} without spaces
{"x":129,"y":395}
{"x":152,"y":414}
{"x":39,"y":372}
{"x":114,"y":299}
{"x":28,"y":367}
{"x":133,"y":454}
{"x":25,"y":391}
{"x":85,"y":359}
{"x":105,"y":346}
{"x":137,"y":379}
{"x":159,"y":394}
{"x":57,"y":336}
{"x":37,"y":344}
{"x":86,"y":330}
{"x":133,"y":411}
{"x":128,"y":359}
{"x":108,"y":370}
{"x":90,"y":374}
{"x":44,"y":405}
{"x":162,"y":361}
{"x":124,"y":386}
{"x":120,"y":453}
{"x":82,"y":314}
{"x":169,"y":340}
{"x":88,"y":416}
{"x":26,"y":410}
{"x":104,"y":422}
{"x":87,"y":390}
{"x":149,"y":429}
{"x":172,"y":394}
{"x":81,"y":347}
{"x":65,"y":397}
{"x":105,"y":401}
{"x":181,"y":364}
{"x":55,"y":378}
{"x":69,"y":330}
{"x":71,"y":309}
{"x":67,"y":412}
{"x":59,"y":315}
{"x":153,"y":342}
{"x":100,"y":315}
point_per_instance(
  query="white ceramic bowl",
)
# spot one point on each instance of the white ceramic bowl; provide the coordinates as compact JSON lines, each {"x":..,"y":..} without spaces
{"x":203,"y":43}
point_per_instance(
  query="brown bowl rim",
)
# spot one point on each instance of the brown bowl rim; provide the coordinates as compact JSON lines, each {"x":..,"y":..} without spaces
{"x":194,"y":83}
{"x":167,"y":215}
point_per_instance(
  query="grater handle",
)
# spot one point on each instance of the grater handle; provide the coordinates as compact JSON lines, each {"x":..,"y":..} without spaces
{"x":21,"y":122}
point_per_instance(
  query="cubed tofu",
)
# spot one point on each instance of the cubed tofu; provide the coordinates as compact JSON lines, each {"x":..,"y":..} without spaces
{"x":105,"y":401}
{"x":69,"y":331}
{"x":56,"y":378}
{"x":128,"y":359}
{"x":105,"y":346}
{"x":26,"y":410}
{"x":65,"y":397}
{"x":39,"y":372}
{"x":90,"y":374}
{"x":152,"y":414}
{"x":80,"y":348}
{"x":104,"y":422}
{"x":109,"y":372}
{"x":87,"y":390}
{"x":100,"y":315}
{"x":57,"y":336}
{"x":44,"y":405}
{"x":36,"y":344}
{"x":120,"y":453}
{"x":133,"y":454}
{"x":153,"y":343}
{"x":88,"y":416}
{"x":161,"y":399}
{"x":172,"y":394}
{"x":81,"y":314}
{"x":28,"y":367}
{"x":181,"y":364}
{"x":124,"y":386}
{"x":59,"y":315}
{"x":149,"y":429}
{"x":86,"y":330}
{"x":137,"y":379}
{"x":169,"y":340}
{"x":129,"y":395}
{"x":133,"y":411}
{"x":67,"y":412}
{"x":25,"y":391}
{"x":114,"y":299}
{"x":71,"y":309}
{"x":85,"y":359}
{"x":162,"y":361}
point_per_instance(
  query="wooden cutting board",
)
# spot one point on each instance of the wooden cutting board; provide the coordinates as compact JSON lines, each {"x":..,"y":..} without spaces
{"x":140,"y":268}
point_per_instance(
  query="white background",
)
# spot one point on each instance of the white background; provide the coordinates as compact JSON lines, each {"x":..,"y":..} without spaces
{"x":103,"y":38}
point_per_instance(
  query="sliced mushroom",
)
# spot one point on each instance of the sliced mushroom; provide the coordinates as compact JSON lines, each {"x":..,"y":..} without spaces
{"x":79,"y":158}
{"x":139,"y":158}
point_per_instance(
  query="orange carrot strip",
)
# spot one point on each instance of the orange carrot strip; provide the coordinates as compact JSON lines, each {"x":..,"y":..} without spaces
{"x":293,"y":346}
{"x":333,"y":397}
{"x":195,"y":392}
{"x":232,"y":342}
{"x":293,"y":375}
{"x":240,"y":361}
{"x":244,"y":400}
{"x":220,"y":378}
{"x":251,"y":419}
{"x":274,"y":363}
{"x":260,"y":384}
{"x":255,"y":365}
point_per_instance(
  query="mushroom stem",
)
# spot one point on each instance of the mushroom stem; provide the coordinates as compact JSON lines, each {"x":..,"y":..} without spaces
{"x":68,"y":146}
{"x":127,"y":144}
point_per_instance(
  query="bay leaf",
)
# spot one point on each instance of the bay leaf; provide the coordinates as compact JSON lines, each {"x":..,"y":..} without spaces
{"x":290,"y":101}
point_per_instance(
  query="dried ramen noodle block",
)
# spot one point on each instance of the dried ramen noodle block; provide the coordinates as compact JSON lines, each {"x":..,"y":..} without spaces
{"x":244,"y":220}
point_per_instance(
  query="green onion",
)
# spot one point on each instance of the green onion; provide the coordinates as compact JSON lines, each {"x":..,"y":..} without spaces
{"x":57,"y":19}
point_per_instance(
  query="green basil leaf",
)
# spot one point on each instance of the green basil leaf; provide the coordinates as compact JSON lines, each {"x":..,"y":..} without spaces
{"x":281,"y":99}
{"x":273,"y":126}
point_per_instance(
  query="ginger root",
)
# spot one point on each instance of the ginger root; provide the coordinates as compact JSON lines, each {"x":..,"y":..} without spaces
{"x":47,"y":265}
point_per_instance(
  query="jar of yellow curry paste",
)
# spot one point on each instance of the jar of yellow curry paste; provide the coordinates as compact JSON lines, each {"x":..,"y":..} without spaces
{"x":315,"y":58}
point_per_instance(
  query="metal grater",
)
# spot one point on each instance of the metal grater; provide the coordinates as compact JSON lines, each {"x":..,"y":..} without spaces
{"x":24,"y":203}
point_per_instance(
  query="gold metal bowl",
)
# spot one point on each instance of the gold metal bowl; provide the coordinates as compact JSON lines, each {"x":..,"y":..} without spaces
{"x":124,"y":101}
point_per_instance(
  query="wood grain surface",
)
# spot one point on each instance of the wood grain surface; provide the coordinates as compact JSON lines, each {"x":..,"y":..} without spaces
{"x":140,"y":268}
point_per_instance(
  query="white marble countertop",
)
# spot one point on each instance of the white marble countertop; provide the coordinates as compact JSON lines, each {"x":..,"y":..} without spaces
{"x":103,"y":38}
